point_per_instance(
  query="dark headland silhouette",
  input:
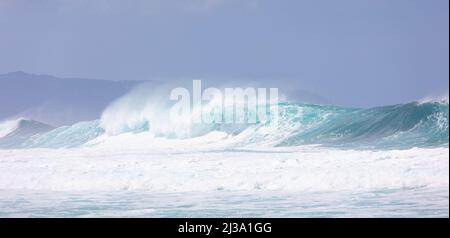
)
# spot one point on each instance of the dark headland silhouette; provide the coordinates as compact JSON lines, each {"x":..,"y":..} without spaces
{"x":57,"y":101}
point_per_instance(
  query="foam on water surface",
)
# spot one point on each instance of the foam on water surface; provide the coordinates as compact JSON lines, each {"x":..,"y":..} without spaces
{"x":317,"y":161}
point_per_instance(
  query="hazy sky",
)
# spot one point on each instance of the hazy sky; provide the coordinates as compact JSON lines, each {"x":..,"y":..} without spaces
{"x":353,"y":52}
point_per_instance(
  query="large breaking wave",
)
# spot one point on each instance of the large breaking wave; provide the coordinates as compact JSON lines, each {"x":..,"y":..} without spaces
{"x":416,"y":124}
{"x":127,"y":150}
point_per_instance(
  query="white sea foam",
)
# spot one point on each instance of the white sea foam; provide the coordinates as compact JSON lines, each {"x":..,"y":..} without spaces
{"x":439,"y":99}
{"x":184,"y":169}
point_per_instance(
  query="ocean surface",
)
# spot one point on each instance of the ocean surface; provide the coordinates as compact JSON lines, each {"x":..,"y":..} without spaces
{"x":414,"y":202}
{"x":318,"y":161}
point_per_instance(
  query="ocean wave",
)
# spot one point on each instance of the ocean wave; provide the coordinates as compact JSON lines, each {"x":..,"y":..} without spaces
{"x":407,"y":125}
{"x":8,"y":126}
{"x":402,"y":125}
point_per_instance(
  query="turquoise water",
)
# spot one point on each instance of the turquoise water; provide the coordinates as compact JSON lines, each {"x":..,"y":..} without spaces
{"x":414,"y":202}
{"x":396,"y":126}
{"x":387,"y":127}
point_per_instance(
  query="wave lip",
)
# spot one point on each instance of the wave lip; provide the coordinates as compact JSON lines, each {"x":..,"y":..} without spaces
{"x":439,"y":99}
{"x":8,"y":126}
{"x":20,"y":130}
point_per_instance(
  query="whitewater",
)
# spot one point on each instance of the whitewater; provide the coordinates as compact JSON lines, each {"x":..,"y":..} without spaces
{"x":318,"y":161}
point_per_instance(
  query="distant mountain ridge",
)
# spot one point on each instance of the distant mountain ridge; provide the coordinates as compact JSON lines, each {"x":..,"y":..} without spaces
{"x":57,"y":101}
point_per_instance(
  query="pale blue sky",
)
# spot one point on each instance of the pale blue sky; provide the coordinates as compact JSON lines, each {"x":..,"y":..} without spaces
{"x":352,"y":52}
